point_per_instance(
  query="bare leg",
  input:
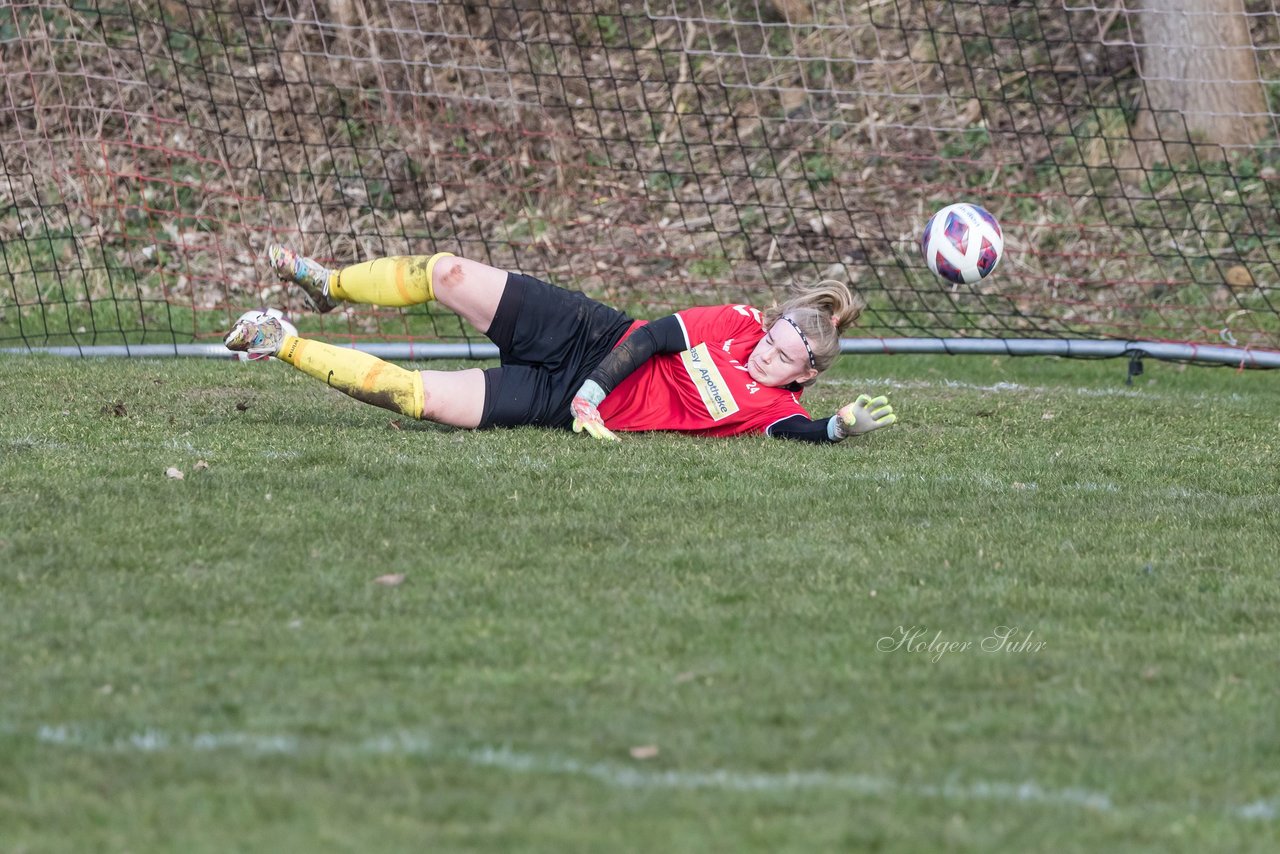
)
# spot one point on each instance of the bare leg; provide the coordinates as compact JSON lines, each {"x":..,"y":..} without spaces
{"x":469,"y":289}
{"x":455,"y":398}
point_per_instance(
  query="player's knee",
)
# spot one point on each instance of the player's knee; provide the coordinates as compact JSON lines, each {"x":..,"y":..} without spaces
{"x":448,"y":274}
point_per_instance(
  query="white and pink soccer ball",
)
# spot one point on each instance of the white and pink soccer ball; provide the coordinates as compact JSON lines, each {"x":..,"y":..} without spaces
{"x":289,"y":329}
{"x":962,"y":243}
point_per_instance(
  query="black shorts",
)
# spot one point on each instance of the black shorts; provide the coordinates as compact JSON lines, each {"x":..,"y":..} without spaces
{"x":549,"y":341}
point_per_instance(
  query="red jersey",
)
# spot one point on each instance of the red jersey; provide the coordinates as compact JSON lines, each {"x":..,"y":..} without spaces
{"x":706,"y":389}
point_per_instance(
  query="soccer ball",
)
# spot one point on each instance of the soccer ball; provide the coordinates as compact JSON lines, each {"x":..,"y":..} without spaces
{"x":962,"y":243}
{"x":289,"y":329}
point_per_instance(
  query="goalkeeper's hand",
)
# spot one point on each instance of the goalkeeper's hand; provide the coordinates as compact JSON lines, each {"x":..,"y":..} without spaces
{"x":586,"y":416}
{"x":865,"y":414}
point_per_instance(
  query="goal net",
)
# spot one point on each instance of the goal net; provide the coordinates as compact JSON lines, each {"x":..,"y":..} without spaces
{"x":653,"y":153}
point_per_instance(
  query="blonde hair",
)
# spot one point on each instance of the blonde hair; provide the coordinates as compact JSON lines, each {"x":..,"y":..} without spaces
{"x":821,"y":311}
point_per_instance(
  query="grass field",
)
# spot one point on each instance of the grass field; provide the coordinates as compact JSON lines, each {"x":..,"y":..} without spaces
{"x":670,"y":644}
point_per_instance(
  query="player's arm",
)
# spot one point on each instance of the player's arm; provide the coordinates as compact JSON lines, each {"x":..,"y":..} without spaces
{"x":665,"y":335}
{"x":862,"y":416}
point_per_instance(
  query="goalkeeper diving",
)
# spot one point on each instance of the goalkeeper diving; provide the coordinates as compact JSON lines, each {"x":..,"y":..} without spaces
{"x":568,"y":361}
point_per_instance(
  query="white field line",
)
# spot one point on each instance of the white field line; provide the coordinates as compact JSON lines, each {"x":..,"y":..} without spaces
{"x":1260,"y":810}
{"x":613,"y":774}
{"x":872,"y":383}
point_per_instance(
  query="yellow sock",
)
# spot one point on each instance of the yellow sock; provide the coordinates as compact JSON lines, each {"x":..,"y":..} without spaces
{"x":399,"y":280}
{"x":360,"y":375}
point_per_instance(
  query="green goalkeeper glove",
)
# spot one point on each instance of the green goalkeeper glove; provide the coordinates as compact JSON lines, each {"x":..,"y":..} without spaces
{"x":865,"y":414}
{"x":585,"y":414}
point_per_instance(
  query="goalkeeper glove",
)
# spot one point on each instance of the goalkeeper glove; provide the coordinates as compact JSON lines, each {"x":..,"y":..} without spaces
{"x":585,"y":414}
{"x":865,"y":414}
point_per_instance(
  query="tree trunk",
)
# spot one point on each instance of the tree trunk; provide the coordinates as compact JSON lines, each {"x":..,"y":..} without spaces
{"x":1201,"y":77}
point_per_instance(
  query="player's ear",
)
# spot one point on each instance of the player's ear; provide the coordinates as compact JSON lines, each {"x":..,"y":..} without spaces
{"x":807,"y":376}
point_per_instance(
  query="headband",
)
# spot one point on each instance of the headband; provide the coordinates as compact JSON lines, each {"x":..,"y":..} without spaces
{"x":813,"y":363}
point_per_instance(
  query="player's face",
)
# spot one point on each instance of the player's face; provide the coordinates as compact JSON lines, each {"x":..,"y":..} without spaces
{"x":780,"y":358}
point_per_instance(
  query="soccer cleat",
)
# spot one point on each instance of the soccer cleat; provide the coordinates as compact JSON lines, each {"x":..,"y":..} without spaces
{"x":258,"y":335}
{"x":307,"y":274}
